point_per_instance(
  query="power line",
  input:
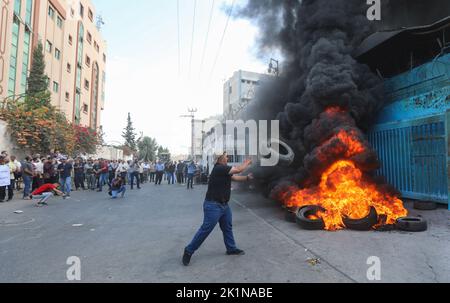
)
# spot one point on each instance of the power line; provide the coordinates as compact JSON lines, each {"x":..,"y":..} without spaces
{"x":179,"y":43}
{"x":223,"y":37}
{"x":193,"y":33}
{"x":207,"y":36}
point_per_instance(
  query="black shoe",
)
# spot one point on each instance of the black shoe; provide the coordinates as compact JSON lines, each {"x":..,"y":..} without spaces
{"x":186,"y":258}
{"x":237,"y":252}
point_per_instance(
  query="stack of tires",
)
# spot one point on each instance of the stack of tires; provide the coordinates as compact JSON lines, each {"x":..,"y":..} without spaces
{"x":302,"y":216}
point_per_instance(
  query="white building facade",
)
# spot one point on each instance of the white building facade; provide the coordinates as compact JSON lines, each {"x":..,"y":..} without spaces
{"x":239,"y":91}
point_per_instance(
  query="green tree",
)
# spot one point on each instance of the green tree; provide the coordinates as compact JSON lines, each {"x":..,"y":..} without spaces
{"x":129,"y":135}
{"x":163,"y":154}
{"x":37,"y":80}
{"x":147,"y":149}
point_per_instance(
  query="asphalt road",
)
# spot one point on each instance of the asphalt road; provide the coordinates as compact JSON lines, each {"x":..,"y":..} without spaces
{"x":141,"y":239}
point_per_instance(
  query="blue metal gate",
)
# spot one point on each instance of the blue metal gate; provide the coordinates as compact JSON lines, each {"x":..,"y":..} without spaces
{"x":413,"y":157}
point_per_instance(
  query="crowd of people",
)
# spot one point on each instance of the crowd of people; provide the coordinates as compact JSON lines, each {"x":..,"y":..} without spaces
{"x":40,"y":177}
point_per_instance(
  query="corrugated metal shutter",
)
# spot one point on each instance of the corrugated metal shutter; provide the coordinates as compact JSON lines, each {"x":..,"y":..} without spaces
{"x":413,"y":157}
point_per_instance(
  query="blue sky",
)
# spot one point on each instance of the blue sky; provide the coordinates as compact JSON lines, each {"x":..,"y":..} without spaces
{"x":142,"y":68}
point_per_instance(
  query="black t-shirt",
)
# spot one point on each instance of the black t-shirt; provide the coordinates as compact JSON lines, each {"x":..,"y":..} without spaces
{"x":219,"y":187}
{"x":65,"y":170}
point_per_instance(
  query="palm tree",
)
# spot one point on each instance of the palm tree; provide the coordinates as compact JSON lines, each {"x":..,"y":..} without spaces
{"x":147,"y":149}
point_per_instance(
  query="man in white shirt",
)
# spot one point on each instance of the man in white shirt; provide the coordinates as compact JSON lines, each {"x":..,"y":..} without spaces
{"x":146,"y":166}
{"x":17,"y":173}
{"x":122,"y":169}
{"x":5,"y":178}
{"x":39,"y":172}
{"x":12,"y":171}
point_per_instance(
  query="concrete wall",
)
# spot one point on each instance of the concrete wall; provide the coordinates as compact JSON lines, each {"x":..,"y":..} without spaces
{"x":6,"y":142}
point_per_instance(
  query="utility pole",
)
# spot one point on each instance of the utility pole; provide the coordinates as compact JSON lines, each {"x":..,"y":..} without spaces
{"x":192,"y":112}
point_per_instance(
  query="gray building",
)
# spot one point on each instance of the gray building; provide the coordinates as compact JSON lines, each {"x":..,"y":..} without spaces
{"x":240,"y":90}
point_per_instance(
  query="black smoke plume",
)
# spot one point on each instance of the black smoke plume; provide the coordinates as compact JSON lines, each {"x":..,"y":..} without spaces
{"x":317,"y":39}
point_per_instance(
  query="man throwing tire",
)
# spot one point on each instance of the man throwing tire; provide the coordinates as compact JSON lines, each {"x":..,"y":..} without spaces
{"x":216,"y":208}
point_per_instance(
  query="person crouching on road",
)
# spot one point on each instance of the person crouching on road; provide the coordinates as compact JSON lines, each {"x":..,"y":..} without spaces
{"x":118,"y":187}
{"x":45,"y":192}
{"x":216,"y":208}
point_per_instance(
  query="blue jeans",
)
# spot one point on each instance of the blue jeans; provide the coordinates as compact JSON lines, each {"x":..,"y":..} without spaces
{"x":66,"y":185}
{"x":27,"y":185}
{"x":44,"y":197}
{"x":214,"y":213}
{"x":171,"y":178}
{"x":135,"y":175}
{"x":104,"y":178}
{"x":190,"y":181}
{"x":115,"y":193}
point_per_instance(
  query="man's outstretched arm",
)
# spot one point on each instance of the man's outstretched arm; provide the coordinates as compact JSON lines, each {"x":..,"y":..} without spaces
{"x":242,"y":178}
{"x":240,"y":169}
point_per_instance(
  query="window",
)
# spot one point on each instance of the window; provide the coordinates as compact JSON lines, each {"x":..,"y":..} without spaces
{"x":13,"y":58}
{"x":57,"y":54}
{"x":17,"y":7}
{"x":67,"y":96}
{"x":104,"y":58}
{"x":81,"y":10}
{"x":86,"y":84}
{"x":72,"y":12}
{"x":69,"y":68}
{"x":70,"y":39}
{"x":85,"y":108}
{"x":28,"y":12}
{"x":55,"y":87}
{"x":49,"y":46}
{"x":96,"y":46}
{"x":59,"y":22}
{"x":89,"y":37}
{"x":25,"y":60}
{"x":91,"y":15}
{"x":88,"y":61}
{"x":51,"y":12}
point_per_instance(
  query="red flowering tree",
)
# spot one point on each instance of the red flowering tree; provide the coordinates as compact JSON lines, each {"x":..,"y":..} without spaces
{"x":87,"y":140}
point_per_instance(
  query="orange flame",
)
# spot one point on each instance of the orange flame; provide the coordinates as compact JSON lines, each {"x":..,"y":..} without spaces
{"x":343,"y":192}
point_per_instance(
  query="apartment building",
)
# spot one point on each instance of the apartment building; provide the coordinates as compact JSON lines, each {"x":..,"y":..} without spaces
{"x":239,"y":91}
{"x":75,"y":54}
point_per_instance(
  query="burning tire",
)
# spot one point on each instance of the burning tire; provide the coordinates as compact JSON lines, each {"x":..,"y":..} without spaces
{"x":424,"y":205}
{"x":285,"y":153}
{"x":310,"y":224}
{"x":412,"y":224}
{"x":363,"y":224}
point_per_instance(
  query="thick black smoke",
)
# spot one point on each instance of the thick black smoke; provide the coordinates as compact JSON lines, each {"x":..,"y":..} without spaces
{"x":317,"y":39}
